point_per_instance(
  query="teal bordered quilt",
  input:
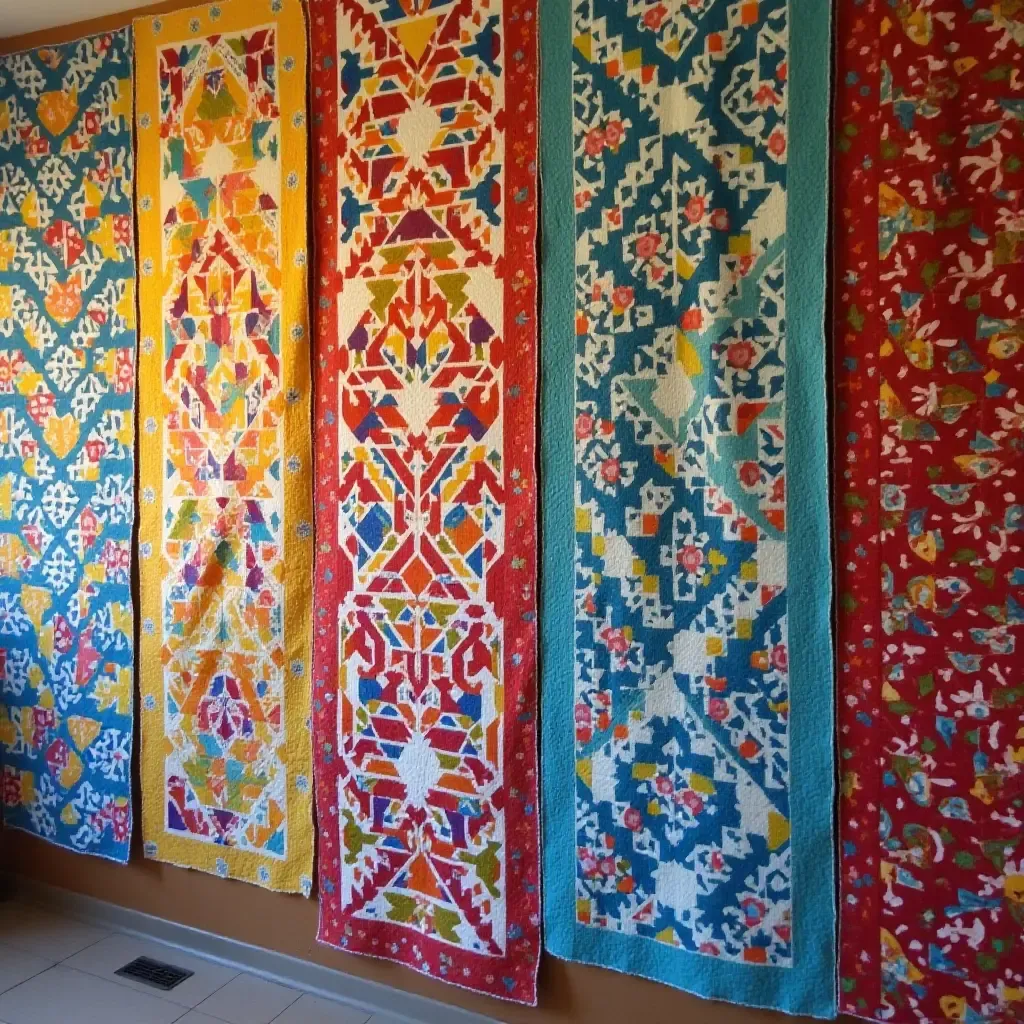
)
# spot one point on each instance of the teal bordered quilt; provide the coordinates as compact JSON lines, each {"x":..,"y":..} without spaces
{"x":687,"y":680}
{"x":67,"y":398}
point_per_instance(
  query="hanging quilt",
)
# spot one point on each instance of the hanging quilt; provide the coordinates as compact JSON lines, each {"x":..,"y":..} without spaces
{"x":687,"y":673}
{"x":225,"y":454}
{"x":929,"y":361}
{"x":67,"y":386}
{"x":424,"y":707}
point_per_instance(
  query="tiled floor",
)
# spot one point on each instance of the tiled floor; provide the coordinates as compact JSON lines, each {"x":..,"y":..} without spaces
{"x":54,"y":970}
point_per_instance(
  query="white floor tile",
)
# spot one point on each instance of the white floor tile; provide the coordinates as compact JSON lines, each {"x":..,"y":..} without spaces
{"x":111,"y":954}
{"x":17,"y":966}
{"x":60,"y":995}
{"x":249,"y":1000}
{"x":42,"y":934}
{"x":314,"y":1010}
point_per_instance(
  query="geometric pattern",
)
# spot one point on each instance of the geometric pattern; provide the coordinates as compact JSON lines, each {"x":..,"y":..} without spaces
{"x":224,"y":397}
{"x":67,"y":383}
{"x":928,"y":353}
{"x":424,"y":688}
{"x":681,"y":606}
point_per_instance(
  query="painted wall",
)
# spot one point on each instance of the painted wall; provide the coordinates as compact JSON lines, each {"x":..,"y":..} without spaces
{"x":568,"y":993}
{"x":18,"y":17}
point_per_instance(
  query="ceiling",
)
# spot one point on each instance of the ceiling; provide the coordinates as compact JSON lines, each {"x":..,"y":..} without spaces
{"x":18,"y":16}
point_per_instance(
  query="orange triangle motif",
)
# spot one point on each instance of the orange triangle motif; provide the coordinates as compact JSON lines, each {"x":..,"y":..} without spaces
{"x":415,"y":35}
{"x":422,"y":878}
{"x":747,"y":413}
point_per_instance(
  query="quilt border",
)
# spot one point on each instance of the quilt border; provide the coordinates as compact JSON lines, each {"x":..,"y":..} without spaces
{"x":292,"y":874}
{"x":809,"y":987}
{"x":512,"y":978}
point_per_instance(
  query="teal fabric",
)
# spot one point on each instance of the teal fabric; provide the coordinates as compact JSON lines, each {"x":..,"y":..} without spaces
{"x":67,"y":394}
{"x":808,"y":984}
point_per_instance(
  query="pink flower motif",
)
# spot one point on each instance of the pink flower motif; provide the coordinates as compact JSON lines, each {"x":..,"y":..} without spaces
{"x":692,"y":319}
{"x":663,"y":785}
{"x":693,"y":802}
{"x":610,"y":470}
{"x":633,"y":819}
{"x":120,"y":821}
{"x":584,"y":426}
{"x":63,"y":637}
{"x":12,"y":787}
{"x":648,"y":245}
{"x":780,"y":657}
{"x":718,"y":709}
{"x":654,"y":16}
{"x":716,"y":860}
{"x":777,"y":142}
{"x":595,"y":142}
{"x":740,"y":354}
{"x":614,"y":133}
{"x":695,"y":208}
{"x":615,"y":640}
{"x":691,"y":558}
{"x":7,"y":375}
{"x":607,"y":866}
{"x":720,"y":219}
{"x":750,"y":474}
{"x":622,"y":297}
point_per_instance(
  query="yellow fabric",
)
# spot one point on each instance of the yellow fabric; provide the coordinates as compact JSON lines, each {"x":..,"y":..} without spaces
{"x":225,"y":462}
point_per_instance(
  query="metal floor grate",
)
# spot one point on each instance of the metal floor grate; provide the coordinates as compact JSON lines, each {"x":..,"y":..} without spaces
{"x":155,"y":973}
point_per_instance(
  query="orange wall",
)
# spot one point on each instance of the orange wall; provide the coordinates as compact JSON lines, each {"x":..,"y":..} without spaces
{"x":569,"y":993}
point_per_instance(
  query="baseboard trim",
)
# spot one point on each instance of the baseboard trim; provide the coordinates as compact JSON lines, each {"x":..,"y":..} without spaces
{"x":370,"y":996}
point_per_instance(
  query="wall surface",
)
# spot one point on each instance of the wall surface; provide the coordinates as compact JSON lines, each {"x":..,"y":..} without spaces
{"x":569,"y":993}
{"x":17,"y":17}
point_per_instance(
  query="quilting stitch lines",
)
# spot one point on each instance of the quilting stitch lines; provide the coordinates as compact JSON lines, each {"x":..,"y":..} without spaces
{"x":67,"y":385}
{"x":226,"y":521}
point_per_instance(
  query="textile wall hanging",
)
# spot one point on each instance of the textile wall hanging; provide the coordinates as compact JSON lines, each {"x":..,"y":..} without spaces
{"x":930,"y":278}
{"x":424,"y":706}
{"x":226,"y":462}
{"x":67,"y":386}
{"x":692,"y":715}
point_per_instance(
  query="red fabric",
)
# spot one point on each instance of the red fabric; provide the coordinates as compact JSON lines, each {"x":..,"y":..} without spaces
{"x":498,"y":35}
{"x":928,"y":365}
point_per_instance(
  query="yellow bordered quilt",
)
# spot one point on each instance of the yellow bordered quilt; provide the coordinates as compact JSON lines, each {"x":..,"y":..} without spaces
{"x":226,"y":538}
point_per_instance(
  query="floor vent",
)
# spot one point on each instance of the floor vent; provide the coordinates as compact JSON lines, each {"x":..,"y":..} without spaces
{"x":154,"y":973}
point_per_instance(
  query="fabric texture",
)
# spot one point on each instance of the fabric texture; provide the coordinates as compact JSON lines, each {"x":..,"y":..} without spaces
{"x":686,"y":526}
{"x":928,"y":336}
{"x":67,"y":387}
{"x":226,"y":541}
{"x":424,"y":707}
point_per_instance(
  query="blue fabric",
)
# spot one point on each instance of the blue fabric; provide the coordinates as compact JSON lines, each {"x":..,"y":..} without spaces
{"x":67,"y":383}
{"x":687,"y":681}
